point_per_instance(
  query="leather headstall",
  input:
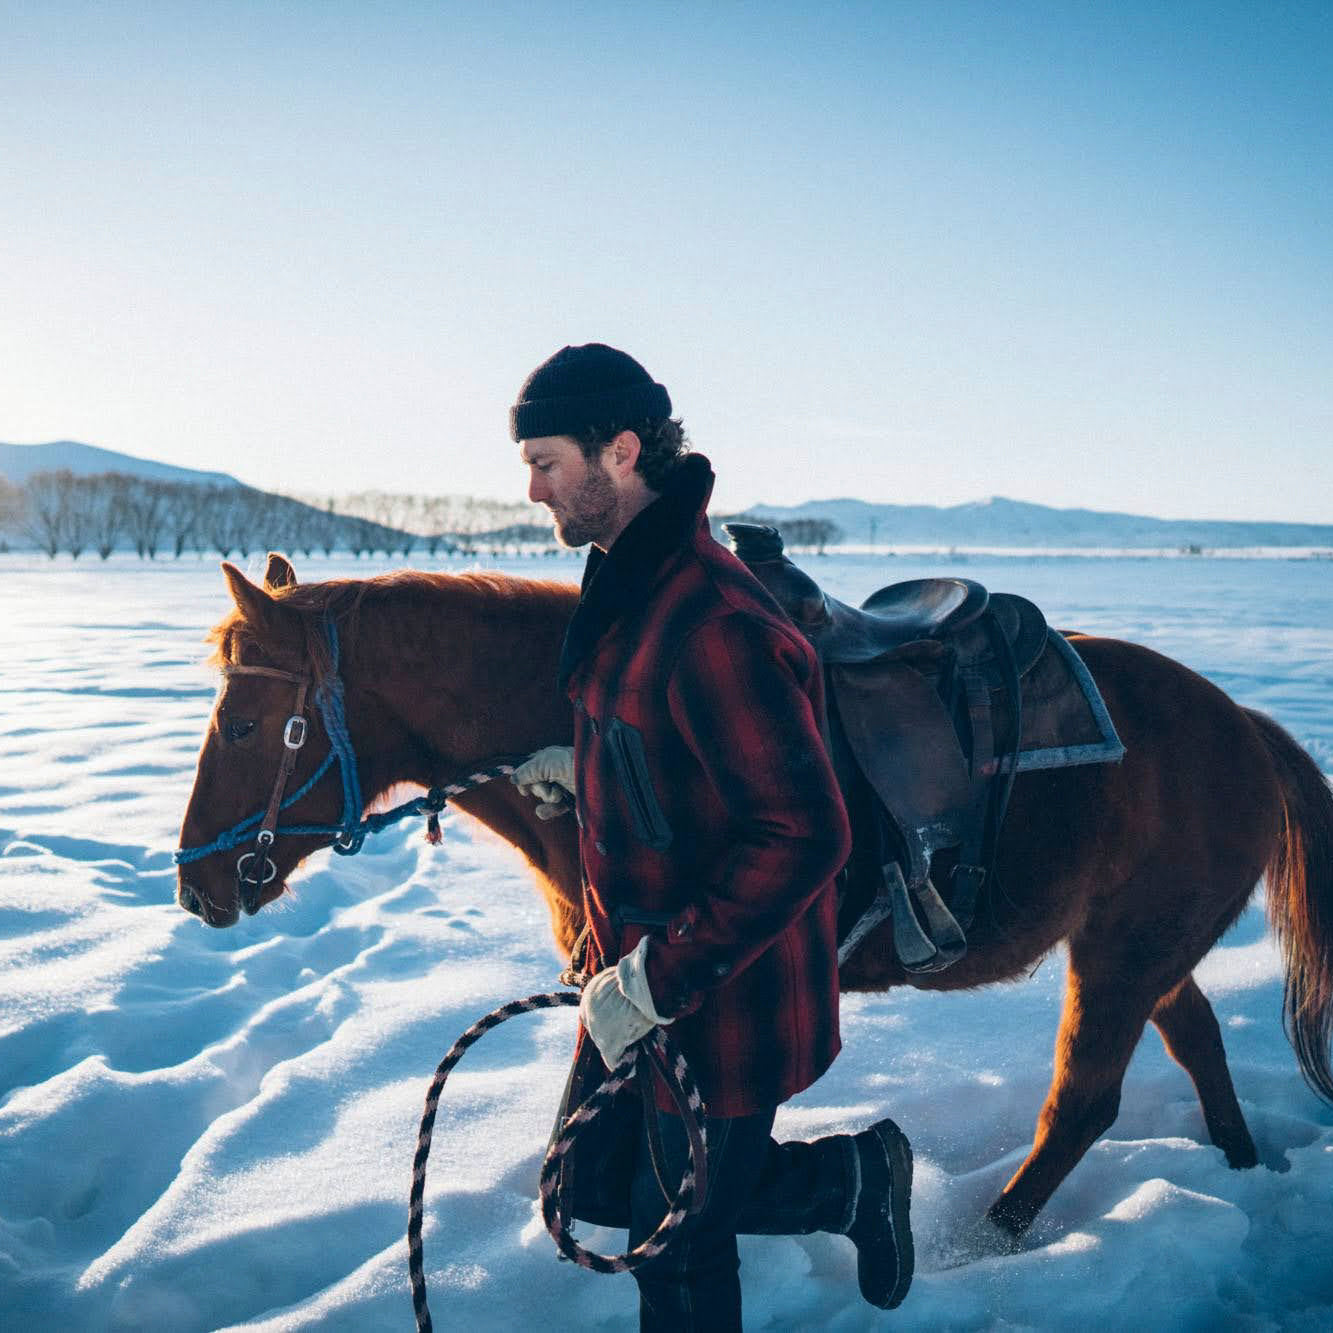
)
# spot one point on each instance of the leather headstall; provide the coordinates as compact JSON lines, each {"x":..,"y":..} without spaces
{"x":262,"y":870}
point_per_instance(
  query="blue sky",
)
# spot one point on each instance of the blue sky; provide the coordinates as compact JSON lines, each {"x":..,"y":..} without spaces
{"x":1077,"y":254}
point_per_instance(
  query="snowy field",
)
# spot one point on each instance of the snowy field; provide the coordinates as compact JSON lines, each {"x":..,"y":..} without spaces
{"x":212,"y":1129}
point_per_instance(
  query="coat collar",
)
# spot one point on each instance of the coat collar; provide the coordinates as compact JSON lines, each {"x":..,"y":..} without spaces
{"x":619,"y":580}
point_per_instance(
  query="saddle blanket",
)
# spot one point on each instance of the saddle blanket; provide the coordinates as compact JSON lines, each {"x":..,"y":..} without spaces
{"x":1065,"y":721}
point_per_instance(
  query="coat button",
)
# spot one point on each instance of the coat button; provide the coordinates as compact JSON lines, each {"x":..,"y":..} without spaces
{"x":601,"y":848}
{"x":720,"y":970}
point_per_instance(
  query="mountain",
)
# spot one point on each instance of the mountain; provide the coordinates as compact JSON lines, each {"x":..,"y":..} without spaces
{"x":19,"y":461}
{"x":998,"y":522}
{"x":995,"y":522}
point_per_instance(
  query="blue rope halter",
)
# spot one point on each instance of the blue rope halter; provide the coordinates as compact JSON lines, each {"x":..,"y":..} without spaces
{"x":350,"y":832}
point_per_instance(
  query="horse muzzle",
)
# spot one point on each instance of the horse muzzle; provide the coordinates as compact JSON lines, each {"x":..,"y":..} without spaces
{"x":194,"y":902}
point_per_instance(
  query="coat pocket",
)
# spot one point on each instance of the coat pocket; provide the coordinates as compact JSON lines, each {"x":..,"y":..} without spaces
{"x":631,"y":765}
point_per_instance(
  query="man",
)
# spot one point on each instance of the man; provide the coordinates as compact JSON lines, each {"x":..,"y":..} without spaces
{"x":711,"y":829}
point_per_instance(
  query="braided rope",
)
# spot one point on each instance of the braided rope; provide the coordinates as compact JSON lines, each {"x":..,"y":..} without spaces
{"x":329,"y":700}
{"x":616,"y":1079}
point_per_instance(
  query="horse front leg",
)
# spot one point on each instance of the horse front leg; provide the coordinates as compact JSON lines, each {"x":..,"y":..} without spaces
{"x":1099,"y":1028}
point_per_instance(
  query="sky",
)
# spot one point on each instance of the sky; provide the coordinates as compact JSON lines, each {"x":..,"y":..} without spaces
{"x":1069,"y":253}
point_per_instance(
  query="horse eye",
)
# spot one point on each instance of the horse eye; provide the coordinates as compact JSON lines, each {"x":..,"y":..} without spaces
{"x":238,"y":729}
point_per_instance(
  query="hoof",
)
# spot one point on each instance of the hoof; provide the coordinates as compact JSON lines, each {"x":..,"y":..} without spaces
{"x":1242,"y":1158}
{"x":982,"y":1239}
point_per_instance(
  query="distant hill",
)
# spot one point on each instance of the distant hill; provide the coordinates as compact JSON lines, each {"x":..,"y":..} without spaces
{"x":999,"y":522}
{"x":996,"y":522}
{"x":19,"y":461}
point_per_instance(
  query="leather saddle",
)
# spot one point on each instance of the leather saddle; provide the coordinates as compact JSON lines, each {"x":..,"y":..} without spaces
{"x":924,"y":718}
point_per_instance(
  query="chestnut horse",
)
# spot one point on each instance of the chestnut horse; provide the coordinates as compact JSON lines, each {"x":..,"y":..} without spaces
{"x":1139,"y":867}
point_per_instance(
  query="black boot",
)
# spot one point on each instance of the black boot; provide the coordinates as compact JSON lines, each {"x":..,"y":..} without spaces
{"x":880,"y":1227}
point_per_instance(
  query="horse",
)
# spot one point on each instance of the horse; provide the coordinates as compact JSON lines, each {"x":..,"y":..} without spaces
{"x":1139,"y":867}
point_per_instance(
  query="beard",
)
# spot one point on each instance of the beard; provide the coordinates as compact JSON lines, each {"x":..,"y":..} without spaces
{"x":591,"y":511}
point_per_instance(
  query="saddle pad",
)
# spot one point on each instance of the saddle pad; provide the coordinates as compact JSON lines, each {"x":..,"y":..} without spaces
{"x":1065,"y":721}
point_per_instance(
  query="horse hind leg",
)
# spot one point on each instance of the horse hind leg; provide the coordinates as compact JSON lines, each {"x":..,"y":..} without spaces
{"x":1192,"y":1037}
{"x":1099,"y":1028}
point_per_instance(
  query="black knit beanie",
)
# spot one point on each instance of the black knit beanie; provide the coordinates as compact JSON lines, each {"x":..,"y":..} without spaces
{"x":586,"y":388}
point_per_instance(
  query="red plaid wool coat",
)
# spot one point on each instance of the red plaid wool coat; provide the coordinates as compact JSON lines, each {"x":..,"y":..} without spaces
{"x":709,"y":813}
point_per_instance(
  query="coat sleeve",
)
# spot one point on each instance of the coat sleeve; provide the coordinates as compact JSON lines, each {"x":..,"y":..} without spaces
{"x":741,"y":696}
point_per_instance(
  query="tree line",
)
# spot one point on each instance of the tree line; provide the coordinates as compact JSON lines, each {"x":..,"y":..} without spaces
{"x":59,"y":512}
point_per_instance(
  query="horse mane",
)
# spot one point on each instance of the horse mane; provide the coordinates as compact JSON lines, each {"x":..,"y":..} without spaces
{"x":343,"y":601}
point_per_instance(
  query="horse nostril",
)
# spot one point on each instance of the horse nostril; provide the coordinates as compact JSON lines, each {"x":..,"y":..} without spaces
{"x":189,"y":900}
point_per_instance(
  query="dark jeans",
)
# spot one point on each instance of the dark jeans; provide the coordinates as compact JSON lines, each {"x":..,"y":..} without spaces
{"x":755,"y":1186}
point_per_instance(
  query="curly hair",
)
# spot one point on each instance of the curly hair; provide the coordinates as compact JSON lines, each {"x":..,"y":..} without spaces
{"x":662,"y":444}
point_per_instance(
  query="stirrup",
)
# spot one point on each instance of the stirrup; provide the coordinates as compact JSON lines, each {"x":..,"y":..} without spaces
{"x":940,"y":944}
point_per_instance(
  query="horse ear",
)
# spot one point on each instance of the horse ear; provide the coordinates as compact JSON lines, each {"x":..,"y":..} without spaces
{"x":269,"y":618}
{"x":279,"y":573}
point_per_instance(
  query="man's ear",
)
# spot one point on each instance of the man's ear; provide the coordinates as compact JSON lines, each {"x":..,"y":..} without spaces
{"x":279,"y":572}
{"x":624,"y":450}
{"x":273,"y":623}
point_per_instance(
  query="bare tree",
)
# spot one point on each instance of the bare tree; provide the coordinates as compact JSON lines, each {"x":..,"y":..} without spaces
{"x":466,"y":519}
{"x":816,"y":532}
{"x":46,"y":509}
{"x":104,"y":499}
{"x":297,"y":525}
{"x":147,"y":514}
{"x":402,"y":514}
{"x":310,"y":524}
{"x":330,"y":529}
{"x":227,"y":520}
{"x":302,"y":527}
{"x":61,"y":511}
{"x":182,"y":506}
{"x":385,"y":538}
{"x":198,"y":536}
{"x":268,"y":525}
{"x":391,"y":519}
{"x":360,"y":534}
{"x":11,"y":512}
{"x":400,"y":522}
{"x":433,"y":514}
{"x":82,"y":501}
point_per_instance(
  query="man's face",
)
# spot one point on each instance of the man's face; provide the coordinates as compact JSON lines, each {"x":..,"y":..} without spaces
{"x":578,"y":491}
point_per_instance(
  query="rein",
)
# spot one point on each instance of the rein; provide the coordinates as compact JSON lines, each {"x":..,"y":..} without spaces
{"x":655,"y":1048}
{"x":254,"y":868}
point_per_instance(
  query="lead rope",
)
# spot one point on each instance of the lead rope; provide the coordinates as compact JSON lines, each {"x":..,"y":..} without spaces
{"x":656,"y":1047}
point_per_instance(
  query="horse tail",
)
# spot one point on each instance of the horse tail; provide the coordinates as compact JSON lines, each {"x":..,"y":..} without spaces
{"x":1299,"y":878}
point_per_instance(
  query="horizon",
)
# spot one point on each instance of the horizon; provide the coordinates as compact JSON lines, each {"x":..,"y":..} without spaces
{"x":756,"y":506}
{"x":914,"y":254}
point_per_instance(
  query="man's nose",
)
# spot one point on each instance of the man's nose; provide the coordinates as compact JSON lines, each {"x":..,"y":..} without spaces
{"x":537,"y":488}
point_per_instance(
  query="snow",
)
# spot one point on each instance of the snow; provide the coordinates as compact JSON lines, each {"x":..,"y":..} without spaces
{"x":213,"y":1129}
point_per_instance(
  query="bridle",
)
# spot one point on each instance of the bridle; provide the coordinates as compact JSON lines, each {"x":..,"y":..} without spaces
{"x":255,"y":868}
{"x":294,"y":733}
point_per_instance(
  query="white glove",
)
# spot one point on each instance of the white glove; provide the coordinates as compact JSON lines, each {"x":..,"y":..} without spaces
{"x":548,"y":777}
{"x":617,"y":1006}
